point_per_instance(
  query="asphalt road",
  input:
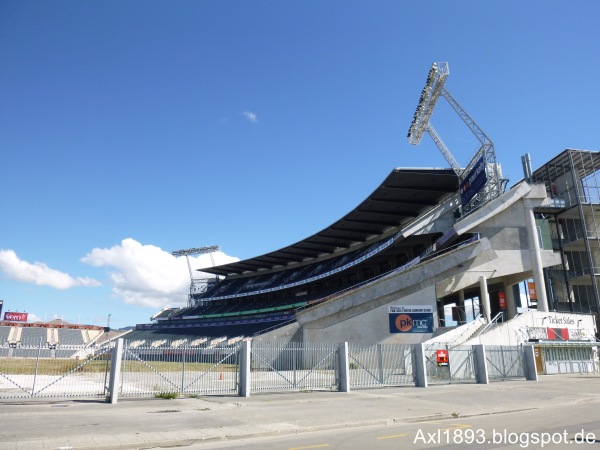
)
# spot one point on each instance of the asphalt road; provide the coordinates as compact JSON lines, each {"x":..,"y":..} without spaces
{"x":573,"y":426}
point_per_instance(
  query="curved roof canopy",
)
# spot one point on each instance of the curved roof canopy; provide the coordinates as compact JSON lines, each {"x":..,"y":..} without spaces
{"x":403,"y":195}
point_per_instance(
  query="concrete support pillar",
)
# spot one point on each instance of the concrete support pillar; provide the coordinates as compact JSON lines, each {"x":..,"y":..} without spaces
{"x":536,"y":258}
{"x":344,"y":368}
{"x":115,"y":372}
{"x":244,"y":364}
{"x":481,"y":365}
{"x":420,"y":366}
{"x":529,"y":363}
{"x":511,"y":306}
{"x":462,"y":314}
{"x":485,"y":298}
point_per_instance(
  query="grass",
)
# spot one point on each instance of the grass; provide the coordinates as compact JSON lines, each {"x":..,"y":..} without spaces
{"x":166,"y":395}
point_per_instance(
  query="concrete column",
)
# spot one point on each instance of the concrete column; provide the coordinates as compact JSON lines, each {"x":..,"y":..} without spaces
{"x":344,"y":368}
{"x":536,"y":258}
{"x":420,"y":366}
{"x":115,"y":372}
{"x":481,"y":364}
{"x":462,"y":314}
{"x":244,"y":363}
{"x":511,"y":306}
{"x":529,"y":363}
{"x":485,"y":298}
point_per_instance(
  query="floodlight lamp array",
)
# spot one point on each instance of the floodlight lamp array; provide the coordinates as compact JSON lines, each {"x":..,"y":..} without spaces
{"x":433,"y":87}
{"x":196,"y":251}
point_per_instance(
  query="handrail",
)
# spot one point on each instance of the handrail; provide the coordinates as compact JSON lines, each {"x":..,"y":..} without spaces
{"x":468,"y":328}
{"x":495,"y":320}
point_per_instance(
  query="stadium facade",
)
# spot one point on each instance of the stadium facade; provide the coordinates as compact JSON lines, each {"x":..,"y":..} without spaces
{"x":393,"y":268}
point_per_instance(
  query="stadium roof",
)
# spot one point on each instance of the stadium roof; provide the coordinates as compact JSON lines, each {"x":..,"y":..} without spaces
{"x":403,"y":195}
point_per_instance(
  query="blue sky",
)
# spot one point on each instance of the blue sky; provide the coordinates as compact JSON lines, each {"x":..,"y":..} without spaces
{"x":129,"y":129}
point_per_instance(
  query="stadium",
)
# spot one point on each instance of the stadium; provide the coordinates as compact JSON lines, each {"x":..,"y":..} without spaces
{"x":432,"y":255}
{"x":444,"y":248}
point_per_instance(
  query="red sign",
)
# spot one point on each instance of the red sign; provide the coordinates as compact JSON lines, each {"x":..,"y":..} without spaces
{"x":15,"y":316}
{"x":502,"y":300}
{"x":558,"y":334}
{"x":532,"y":291}
{"x":442,"y":357}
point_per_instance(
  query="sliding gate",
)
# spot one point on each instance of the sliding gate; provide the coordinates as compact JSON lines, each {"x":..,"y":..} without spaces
{"x":293,"y":366}
{"x":445,"y":364}
{"x":505,"y":362}
{"x":381,"y":365}
{"x":170,"y":367}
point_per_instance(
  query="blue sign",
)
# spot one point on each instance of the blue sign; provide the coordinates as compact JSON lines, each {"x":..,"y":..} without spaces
{"x":411,"y":322}
{"x":473,"y":182}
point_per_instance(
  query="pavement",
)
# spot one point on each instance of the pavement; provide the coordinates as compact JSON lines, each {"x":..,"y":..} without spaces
{"x":152,"y":422}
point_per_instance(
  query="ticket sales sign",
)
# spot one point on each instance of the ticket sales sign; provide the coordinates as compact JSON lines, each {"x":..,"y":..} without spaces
{"x":411,"y":319}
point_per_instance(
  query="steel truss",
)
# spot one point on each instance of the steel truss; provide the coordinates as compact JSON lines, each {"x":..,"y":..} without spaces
{"x":434,"y":88}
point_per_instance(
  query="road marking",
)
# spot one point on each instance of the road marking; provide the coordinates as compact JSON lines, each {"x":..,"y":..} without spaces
{"x":393,"y":436}
{"x":310,"y":446}
{"x":456,"y":426}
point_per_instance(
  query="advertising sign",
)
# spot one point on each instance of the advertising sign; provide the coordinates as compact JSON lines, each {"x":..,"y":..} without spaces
{"x":502,"y":300}
{"x":473,"y":182}
{"x":532,"y":291}
{"x":411,"y":319}
{"x":15,"y":316}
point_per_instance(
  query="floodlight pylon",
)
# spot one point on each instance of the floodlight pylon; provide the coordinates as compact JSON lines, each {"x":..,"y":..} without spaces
{"x":421,"y":123}
{"x":195,"y":251}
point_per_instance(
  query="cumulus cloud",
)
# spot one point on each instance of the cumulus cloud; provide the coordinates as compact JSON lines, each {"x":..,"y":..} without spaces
{"x":39,"y":273}
{"x":250,"y":116}
{"x":146,"y":275}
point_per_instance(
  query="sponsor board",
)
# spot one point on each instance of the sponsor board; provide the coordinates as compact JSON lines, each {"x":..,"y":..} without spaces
{"x":473,"y":182}
{"x":15,"y":316}
{"x":411,"y":319}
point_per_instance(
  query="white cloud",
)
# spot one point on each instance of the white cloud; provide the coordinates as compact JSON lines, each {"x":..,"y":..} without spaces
{"x":39,"y":273}
{"x":250,"y":116}
{"x":146,"y":275}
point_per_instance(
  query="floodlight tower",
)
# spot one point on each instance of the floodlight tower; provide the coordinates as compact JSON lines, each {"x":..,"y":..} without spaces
{"x":196,"y":251}
{"x":480,"y":180}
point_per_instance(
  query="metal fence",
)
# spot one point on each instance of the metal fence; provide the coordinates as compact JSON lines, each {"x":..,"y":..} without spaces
{"x":381,"y":365}
{"x":294,"y":366}
{"x":36,"y":371}
{"x":505,"y":362}
{"x":156,"y":368}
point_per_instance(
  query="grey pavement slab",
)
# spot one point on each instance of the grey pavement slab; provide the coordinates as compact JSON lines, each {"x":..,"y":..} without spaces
{"x":150,"y":422}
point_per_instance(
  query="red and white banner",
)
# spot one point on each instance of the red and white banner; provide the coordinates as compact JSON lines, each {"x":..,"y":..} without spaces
{"x":15,"y":316}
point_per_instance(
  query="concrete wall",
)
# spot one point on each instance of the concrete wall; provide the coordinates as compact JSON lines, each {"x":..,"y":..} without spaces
{"x":515,"y":331}
{"x":283,"y":335}
{"x":371,"y":326}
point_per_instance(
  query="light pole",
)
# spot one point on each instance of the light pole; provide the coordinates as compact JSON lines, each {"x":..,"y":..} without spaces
{"x":108,"y":323}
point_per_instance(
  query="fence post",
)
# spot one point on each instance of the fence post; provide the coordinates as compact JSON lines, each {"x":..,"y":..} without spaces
{"x":115,"y":371}
{"x":343,"y":368}
{"x":481,"y":364}
{"x":420,"y":366}
{"x":529,"y":363}
{"x":245,"y":352}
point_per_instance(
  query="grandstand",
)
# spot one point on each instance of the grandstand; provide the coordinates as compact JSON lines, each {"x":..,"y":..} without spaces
{"x":386,"y":233}
{"x":46,"y":340}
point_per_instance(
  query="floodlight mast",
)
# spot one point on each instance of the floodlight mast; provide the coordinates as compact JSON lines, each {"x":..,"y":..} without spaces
{"x":421,"y":123}
{"x":195,"y":251}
